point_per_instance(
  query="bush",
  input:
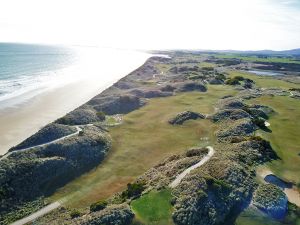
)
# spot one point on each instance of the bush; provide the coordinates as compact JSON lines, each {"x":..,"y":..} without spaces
{"x":208,"y":68}
{"x":248,"y":80}
{"x":217,"y":185}
{"x":3,"y":193}
{"x":259,"y":122}
{"x":239,"y":78}
{"x":237,"y":139}
{"x":133,"y":190}
{"x":235,"y":80}
{"x":75,"y":213}
{"x":81,"y":133}
{"x":196,"y":152}
{"x":232,"y":81}
{"x":168,"y":88}
{"x":101,"y":115}
{"x":97,"y":206}
{"x":295,"y":89}
{"x":64,"y":120}
{"x":220,"y":76}
{"x":126,"y":99}
{"x":255,"y":138}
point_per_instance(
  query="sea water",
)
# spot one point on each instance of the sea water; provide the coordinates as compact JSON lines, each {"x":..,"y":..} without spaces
{"x":27,"y":70}
{"x":39,"y":84}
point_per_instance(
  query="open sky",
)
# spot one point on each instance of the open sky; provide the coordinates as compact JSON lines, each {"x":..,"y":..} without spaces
{"x":154,"y":24}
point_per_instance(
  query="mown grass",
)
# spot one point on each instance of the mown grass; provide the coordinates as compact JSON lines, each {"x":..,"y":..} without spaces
{"x":154,"y":208}
{"x":252,"y":216}
{"x":285,"y":126}
{"x":141,"y":141}
{"x":255,"y":217}
{"x":257,"y":59}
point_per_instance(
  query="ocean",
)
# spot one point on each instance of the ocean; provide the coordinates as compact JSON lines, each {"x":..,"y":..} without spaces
{"x":40,"y":83}
{"x":26,"y":68}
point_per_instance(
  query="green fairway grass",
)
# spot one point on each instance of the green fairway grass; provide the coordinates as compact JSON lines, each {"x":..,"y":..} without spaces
{"x":264,"y":81}
{"x":285,"y":126}
{"x":143,"y":139}
{"x":257,"y":59}
{"x":154,"y":208}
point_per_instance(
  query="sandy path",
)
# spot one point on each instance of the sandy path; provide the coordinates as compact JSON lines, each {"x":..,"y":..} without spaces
{"x":38,"y":214}
{"x":178,"y":179}
{"x":45,"y":144}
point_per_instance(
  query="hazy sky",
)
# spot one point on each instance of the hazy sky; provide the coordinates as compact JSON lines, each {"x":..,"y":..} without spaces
{"x":155,"y":24}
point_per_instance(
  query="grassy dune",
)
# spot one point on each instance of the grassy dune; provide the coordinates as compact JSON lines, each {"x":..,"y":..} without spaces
{"x":141,"y":141}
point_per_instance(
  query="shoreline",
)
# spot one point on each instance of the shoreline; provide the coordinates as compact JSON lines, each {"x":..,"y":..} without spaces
{"x":23,"y":120}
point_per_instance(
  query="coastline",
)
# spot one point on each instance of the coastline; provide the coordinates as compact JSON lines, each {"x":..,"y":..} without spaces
{"x":23,"y":120}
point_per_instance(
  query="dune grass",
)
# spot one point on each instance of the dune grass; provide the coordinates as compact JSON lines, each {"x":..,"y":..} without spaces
{"x":141,"y":141}
{"x":154,"y":208}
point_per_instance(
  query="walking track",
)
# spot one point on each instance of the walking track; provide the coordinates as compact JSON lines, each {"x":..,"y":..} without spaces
{"x":206,"y":158}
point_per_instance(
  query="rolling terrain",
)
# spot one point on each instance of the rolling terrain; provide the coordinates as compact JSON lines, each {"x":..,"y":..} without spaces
{"x":186,"y":131}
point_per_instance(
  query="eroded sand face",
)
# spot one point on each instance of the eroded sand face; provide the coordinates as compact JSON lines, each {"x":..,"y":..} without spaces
{"x":292,"y":194}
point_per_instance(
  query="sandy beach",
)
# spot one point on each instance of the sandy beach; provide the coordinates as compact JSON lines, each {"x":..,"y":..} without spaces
{"x":22,"y":120}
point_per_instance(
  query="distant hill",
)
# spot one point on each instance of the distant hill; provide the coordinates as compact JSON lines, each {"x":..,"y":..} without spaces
{"x":294,"y":52}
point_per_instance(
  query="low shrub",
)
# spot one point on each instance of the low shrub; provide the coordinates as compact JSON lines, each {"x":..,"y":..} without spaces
{"x":295,"y":89}
{"x":220,"y":76}
{"x":133,"y":190}
{"x":97,"y":206}
{"x":101,"y":115}
{"x":237,"y":139}
{"x":239,"y":78}
{"x":168,"y":88}
{"x":217,"y":185}
{"x":259,"y":122}
{"x":207,"y":68}
{"x":255,"y":138}
{"x":235,"y":80}
{"x":196,"y":152}
{"x":75,"y":213}
{"x":232,"y":81}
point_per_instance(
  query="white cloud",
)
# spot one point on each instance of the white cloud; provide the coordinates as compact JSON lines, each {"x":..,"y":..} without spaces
{"x":205,"y":24}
